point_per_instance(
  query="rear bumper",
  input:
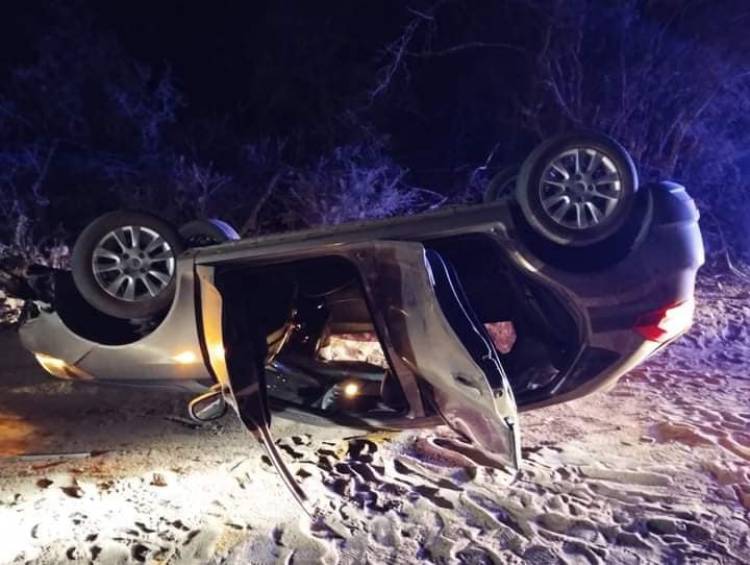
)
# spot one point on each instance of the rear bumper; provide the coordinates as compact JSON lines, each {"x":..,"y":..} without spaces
{"x":659,"y":273}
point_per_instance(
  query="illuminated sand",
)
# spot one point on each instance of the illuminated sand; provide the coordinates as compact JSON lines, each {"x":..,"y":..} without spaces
{"x":656,"y":470}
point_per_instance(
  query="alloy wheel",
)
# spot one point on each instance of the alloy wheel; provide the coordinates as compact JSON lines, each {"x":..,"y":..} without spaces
{"x":581,"y":188}
{"x":133,"y":263}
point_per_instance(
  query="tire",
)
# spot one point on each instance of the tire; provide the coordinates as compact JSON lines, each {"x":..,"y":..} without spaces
{"x":139,"y":250}
{"x":201,"y":233}
{"x":577,"y":188}
{"x":502,"y":184}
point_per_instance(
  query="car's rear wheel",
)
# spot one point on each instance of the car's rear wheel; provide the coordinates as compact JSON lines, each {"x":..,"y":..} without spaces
{"x":211,"y":231}
{"x":124,"y":264}
{"x":578,"y":188}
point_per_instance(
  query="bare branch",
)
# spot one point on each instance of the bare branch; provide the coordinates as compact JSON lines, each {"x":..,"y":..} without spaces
{"x":465,"y":47}
{"x":251,"y":224}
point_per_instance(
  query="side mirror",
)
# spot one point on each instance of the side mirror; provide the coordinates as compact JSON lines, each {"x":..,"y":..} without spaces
{"x":207,"y":407}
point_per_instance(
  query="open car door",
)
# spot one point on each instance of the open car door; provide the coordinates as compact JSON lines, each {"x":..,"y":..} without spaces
{"x":432,"y":337}
{"x":434,"y":343}
{"x":237,"y":364}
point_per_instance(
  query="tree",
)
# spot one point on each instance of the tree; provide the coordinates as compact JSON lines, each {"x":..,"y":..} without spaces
{"x":666,"y":79}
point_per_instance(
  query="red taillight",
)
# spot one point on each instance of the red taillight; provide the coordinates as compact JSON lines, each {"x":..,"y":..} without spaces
{"x":666,"y":323}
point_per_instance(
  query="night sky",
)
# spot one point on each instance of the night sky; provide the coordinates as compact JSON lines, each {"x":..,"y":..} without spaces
{"x":278,"y":65}
{"x":213,"y":49}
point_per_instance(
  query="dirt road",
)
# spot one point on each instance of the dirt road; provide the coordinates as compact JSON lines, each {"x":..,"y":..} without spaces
{"x":656,"y":470}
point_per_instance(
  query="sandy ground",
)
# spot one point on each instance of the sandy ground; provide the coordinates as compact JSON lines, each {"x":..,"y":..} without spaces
{"x":656,"y":470}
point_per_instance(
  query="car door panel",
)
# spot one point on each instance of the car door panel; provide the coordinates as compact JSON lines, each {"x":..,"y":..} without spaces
{"x":433,"y":342}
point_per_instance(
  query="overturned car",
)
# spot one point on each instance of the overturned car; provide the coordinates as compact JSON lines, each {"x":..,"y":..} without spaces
{"x":591,"y":273}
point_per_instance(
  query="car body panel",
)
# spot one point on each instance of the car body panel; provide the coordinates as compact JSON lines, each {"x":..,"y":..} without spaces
{"x":169,"y":356}
{"x":469,"y":388}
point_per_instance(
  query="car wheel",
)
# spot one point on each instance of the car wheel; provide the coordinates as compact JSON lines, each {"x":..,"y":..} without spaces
{"x":502,"y":184}
{"x":577,"y":188}
{"x":201,"y":233}
{"x":124,"y":264}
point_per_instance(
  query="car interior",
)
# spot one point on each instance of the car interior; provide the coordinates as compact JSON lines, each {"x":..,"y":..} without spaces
{"x":322,"y":351}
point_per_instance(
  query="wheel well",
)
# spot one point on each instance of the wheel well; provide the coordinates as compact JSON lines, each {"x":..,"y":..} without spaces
{"x":91,"y":324}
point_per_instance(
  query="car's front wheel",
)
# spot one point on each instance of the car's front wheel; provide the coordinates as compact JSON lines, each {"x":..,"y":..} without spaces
{"x":124,"y":264}
{"x":578,"y":188}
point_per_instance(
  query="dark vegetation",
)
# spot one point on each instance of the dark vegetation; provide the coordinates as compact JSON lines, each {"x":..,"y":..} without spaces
{"x":284,"y":114}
